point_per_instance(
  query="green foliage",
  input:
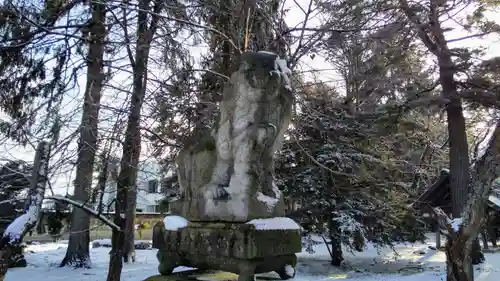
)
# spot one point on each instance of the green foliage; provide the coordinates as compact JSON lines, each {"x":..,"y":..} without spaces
{"x":14,"y":178}
{"x":190,"y":97}
{"x":34,"y":70}
{"x":354,"y":170}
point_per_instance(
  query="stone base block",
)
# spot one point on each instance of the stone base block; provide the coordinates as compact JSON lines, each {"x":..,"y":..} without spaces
{"x":233,"y":247}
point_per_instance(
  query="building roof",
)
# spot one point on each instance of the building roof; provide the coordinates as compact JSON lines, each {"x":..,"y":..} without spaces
{"x":439,"y":195}
{"x":436,"y":195}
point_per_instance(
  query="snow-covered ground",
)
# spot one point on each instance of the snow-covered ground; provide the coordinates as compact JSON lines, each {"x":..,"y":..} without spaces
{"x":410,"y":263}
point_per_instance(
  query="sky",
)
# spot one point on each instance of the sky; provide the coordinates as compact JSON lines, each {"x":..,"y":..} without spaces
{"x":295,"y":17}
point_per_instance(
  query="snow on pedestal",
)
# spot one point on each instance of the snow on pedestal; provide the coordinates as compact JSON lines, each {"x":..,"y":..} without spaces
{"x":173,"y":223}
{"x":274,"y":224}
{"x":289,"y":270}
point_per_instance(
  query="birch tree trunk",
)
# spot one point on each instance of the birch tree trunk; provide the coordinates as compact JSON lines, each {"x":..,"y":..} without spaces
{"x":15,"y":232}
{"x":77,"y":254}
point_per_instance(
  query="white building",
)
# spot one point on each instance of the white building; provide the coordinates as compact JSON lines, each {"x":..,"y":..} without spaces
{"x":149,"y":193}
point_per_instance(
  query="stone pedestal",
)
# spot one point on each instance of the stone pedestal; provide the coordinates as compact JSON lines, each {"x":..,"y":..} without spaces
{"x":239,"y":248}
{"x":227,"y":186}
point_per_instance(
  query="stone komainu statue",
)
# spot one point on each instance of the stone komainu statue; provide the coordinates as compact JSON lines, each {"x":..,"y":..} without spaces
{"x":226,"y":173}
{"x":230,"y":215}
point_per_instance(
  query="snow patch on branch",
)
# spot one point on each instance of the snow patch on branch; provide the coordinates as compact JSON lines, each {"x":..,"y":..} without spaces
{"x":10,"y":201}
{"x":347,"y":222}
{"x":447,"y":225}
{"x":15,"y":230}
{"x":455,"y":224}
{"x":482,"y":147}
{"x":22,"y":224}
{"x":270,"y":201}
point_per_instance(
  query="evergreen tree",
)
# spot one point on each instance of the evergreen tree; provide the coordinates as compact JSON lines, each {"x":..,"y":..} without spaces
{"x":349,"y":172}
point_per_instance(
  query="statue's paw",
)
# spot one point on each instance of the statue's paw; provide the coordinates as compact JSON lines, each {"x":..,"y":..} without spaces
{"x":216,"y":192}
{"x":219,"y":193}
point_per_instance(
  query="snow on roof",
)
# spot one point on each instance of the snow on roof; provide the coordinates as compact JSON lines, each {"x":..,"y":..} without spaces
{"x":274,"y":223}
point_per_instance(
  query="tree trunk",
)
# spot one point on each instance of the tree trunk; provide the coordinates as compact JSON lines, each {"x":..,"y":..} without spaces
{"x":459,"y":149}
{"x":129,"y":245}
{"x":101,"y":183}
{"x":484,"y":237}
{"x":477,"y":255}
{"x":459,"y":266}
{"x":77,"y":254}
{"x":335,"y":238}
{"x":457,"y":134}
{"x":458,"y":263}
{"x":337,"y":255}
{"x":491,"y":228}
{"x":492,"y":235}
{"x":118,"y":237}
{"x":14,"y":233}
{"x":438,"y":239}
{"x":461,"y":242}
{"x":132,"y":144}
{"x":5,"y":255}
